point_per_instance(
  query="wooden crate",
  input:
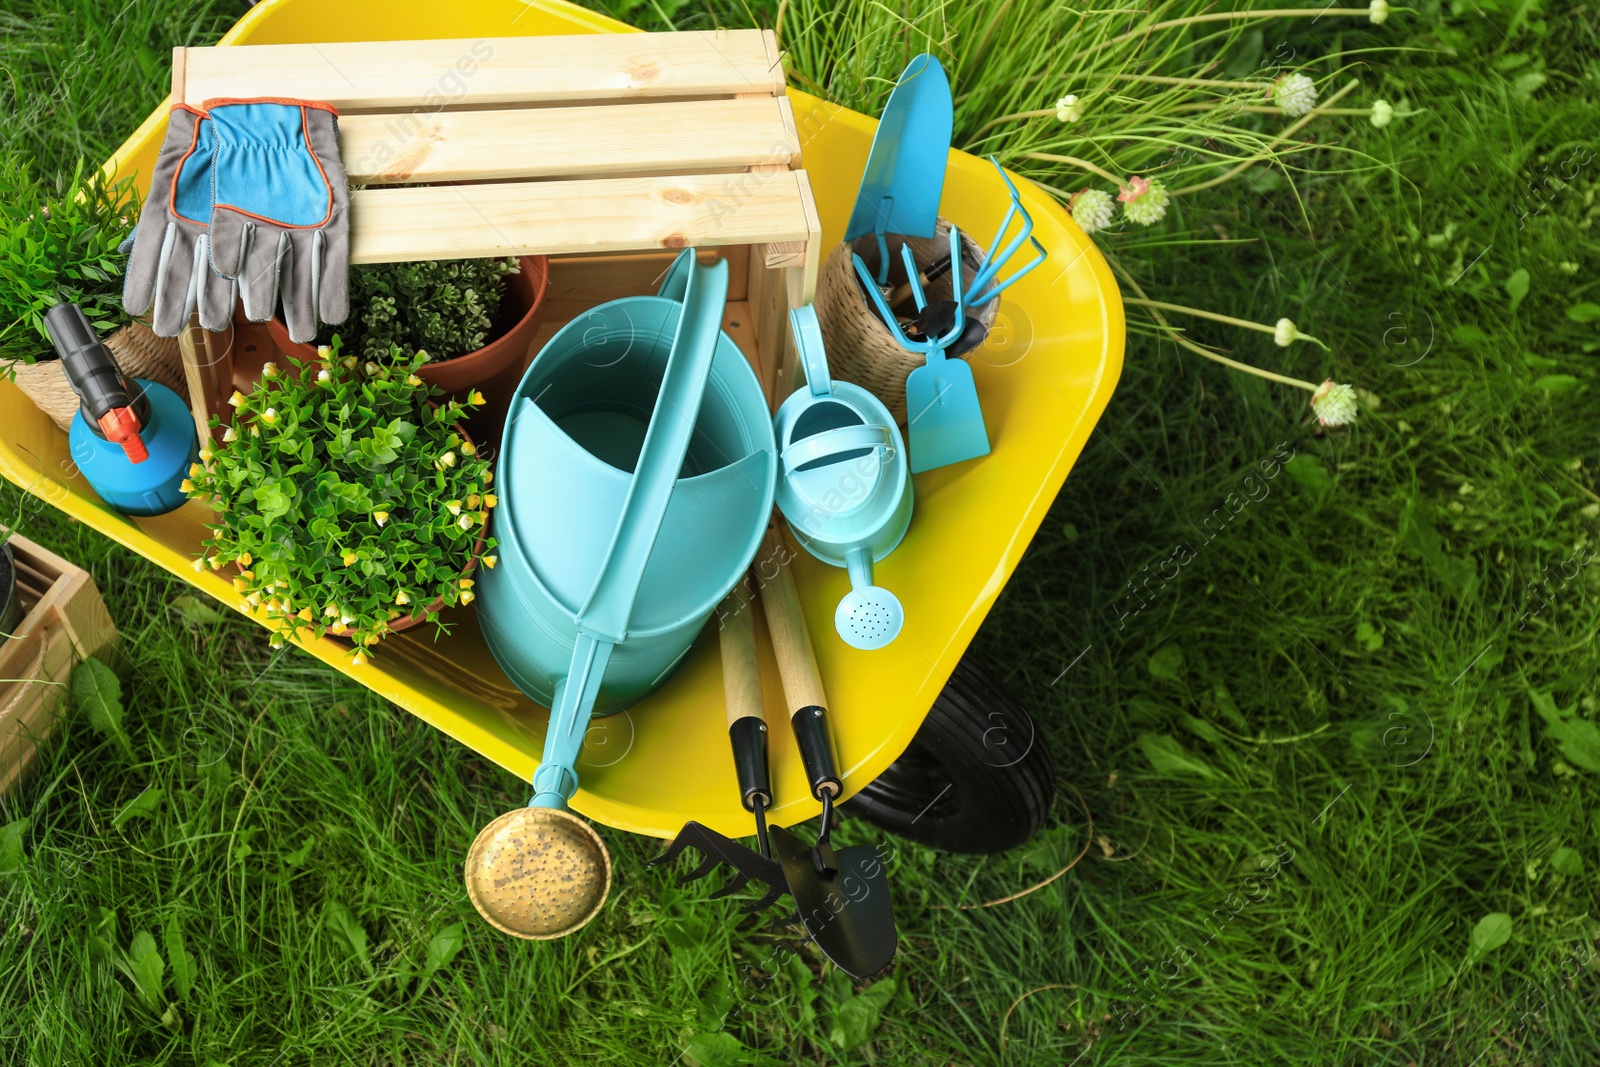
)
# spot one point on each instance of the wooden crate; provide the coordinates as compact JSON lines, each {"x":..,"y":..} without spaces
{"x":606,"y":152}
{"x":65,"y":622}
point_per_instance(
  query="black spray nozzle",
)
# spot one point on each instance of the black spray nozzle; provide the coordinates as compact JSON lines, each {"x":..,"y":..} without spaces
{"x":89,"y":365}
{"x":113,"y":407}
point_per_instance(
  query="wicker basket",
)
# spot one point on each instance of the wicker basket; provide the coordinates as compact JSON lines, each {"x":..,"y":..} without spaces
{"x":138,"y":351}
{"x":860,"y":347}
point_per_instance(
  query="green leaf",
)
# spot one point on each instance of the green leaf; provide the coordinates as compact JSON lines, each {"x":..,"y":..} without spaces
{"x":1166,"y":663}
{"x":718,"y":1049}
{"x":1492,"y":931}
{"x":441,"y":950}
{"x":1584,"y":312}
{"x":1566,"y":861}
{"x":1469,"y":334}
{"x":178,"y":959}
{"x":1579,"y":738}
{"x":12,"y":856}
{"x":1517,"y":286}
{"x":1368,"y":636}
{"x":142,"y":806}
{"x":337,"y":917}
{"x":1202,"y":729}
{"x":1558,"y":383}
{"x":196,"y":610}
{"x":298,"y":857}
{"x":102,"y":935}
{"x":95,"y":689}
{"x":1169,"y":758}
{"x":146,"y":968}
{"x":1226,"y":705}
{"x":855,"y":1021}
{"x":1309,"y":472}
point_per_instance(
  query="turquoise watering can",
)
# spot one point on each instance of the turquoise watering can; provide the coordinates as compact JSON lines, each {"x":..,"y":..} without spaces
{"x":637,"y":477}
{"x":844,"y":490}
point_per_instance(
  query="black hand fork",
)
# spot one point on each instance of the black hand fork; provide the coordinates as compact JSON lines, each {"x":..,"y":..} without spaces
{"x":746,"y":863}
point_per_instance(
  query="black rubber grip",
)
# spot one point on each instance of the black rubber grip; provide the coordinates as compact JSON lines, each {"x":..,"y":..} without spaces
{"x":90,"y":368}
{"x":749,"y":737}
{"x":810,"y":727}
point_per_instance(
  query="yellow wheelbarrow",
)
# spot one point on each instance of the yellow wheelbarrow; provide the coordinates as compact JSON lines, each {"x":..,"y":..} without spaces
{"x":1046,"y":372}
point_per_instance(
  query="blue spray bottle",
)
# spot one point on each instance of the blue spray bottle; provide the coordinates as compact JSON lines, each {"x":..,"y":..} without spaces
{"x":134,"y":440}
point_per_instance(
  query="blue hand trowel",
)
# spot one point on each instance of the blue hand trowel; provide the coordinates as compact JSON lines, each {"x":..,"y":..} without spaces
{"x":904,"y":178}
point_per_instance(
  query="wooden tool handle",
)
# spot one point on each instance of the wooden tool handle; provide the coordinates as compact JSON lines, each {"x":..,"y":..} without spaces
{"x":797,"y":660}
{"x":741,"y":686}
{"x":741,"y":671}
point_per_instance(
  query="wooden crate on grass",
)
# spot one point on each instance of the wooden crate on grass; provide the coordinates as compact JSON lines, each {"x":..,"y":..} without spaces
{"x":65,"y":622}
{"x":606,"y":152}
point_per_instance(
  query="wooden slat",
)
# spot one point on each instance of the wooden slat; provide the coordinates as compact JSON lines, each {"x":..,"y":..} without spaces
{"x":439,"y":74}
{"x":662,"y":138}
{"x":554,"y":217}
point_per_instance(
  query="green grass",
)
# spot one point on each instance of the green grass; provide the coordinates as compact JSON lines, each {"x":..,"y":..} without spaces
{"x":1342,"y":669}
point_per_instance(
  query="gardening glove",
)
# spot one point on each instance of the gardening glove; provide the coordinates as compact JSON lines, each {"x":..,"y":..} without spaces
{"x":280,"y":221}
{"x":169,"y":266}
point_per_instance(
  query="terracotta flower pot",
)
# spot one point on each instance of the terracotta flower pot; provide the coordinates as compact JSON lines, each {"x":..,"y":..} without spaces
{"x":497,"y":367}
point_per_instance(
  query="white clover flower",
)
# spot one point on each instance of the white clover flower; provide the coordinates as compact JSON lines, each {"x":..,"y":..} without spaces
{"x":1069,"y":109}
{"x":1377,"y":12}
{"x":1145,"y":201}
{"x":1285,"y":333}
{"x":1092,"y":209}
{"x":1382,"y":113}
{"x":1334,"y":404}
{"x":1295,"y":94}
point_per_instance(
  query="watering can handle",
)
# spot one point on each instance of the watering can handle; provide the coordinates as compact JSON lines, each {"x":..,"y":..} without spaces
{"x":836,"y":442}
{"x":603,"y":619}
{"x":605,"y":613}
{"x":813,"y":355}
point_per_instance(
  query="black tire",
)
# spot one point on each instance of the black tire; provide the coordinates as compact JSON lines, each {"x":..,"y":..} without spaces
{"x":977,"y":777}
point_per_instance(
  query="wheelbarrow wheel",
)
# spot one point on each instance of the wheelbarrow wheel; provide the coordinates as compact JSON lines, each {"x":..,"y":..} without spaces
{"x":977,"y":777}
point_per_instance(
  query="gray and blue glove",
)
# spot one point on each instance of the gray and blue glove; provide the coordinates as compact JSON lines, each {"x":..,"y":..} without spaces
{"x":248,"y":197}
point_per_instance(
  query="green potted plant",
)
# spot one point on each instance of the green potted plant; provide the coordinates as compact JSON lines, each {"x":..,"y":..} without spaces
{"x":351,"y":501}
{"x":61,"y":242}
{"x":473,"y":320}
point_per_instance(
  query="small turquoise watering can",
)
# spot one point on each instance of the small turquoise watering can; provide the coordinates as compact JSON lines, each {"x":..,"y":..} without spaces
{"x":844,"y":487}
{"x":637,"y":477}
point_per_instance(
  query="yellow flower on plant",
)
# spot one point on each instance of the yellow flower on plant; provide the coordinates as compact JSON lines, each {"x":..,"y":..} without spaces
{"x":216,"y":563}
{"x":237,"y":400}
{"x":338,"y":628}
{"x":350,"y":557}
{"x":475,"y":398}
{"x":359,"y":658}
{"x":269,"y":370}
{"x":380,"y":517}
{"x":464,"y":583}
{"x":245,"y":559}
{"x":413,"y":381}
{"x":195,"y":470}
{"x":490,"y":500}
{"x":199,"y":563}
{"x":401,"y":598}
{"x":465,"y":522}
{"x":468,"y":597}
{"x":488,"y":476}
{"x":205,"y":455}
{"x":186,"y":486}
{"x":247,"y":574}
{"x":473,"y":500}
{"x":330,"y":611}
{"x":446,"y":460}
{"x":304,"y":614}
{"x":370,"y":640}
{"x":490,"y":561}
{"x":453,"y":506}
{"x":324,"y":353}
{"x":229,"y":436}
{"x":468,"y":448}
